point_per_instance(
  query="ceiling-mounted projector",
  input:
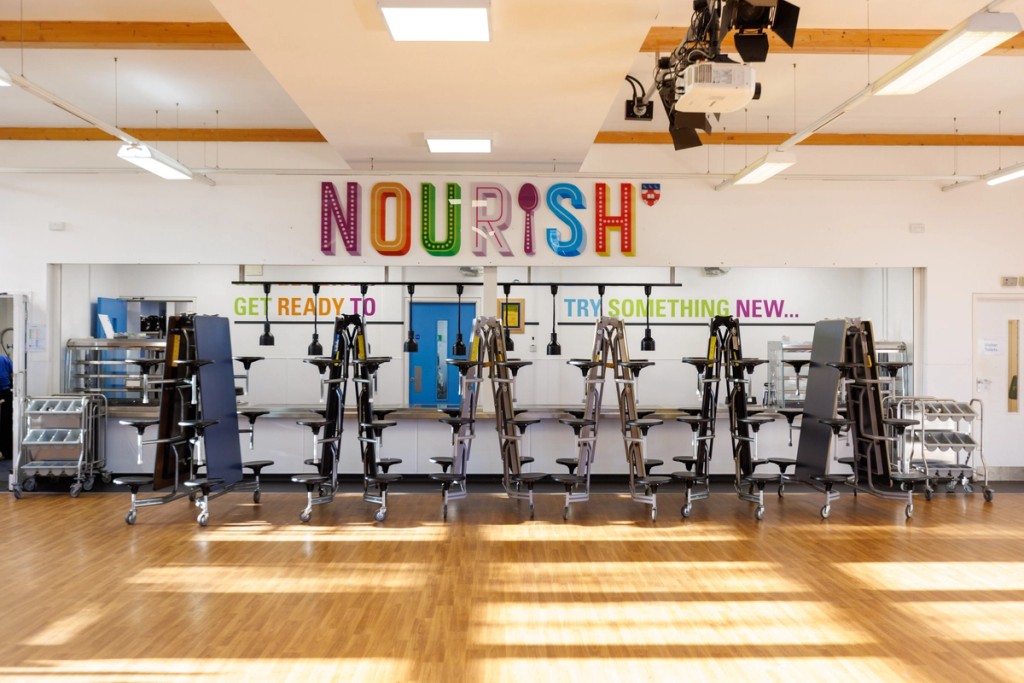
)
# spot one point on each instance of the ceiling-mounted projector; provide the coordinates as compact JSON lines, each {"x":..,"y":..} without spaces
{"x":715,"y":87}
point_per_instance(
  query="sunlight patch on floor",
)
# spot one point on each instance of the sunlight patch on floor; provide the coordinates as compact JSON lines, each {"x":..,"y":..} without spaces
{"x":601,"y":577}
{"x":210,"y":670}
{"x":961,"y":577}
{"x":331,"y":578}
{"x":725,"y":623}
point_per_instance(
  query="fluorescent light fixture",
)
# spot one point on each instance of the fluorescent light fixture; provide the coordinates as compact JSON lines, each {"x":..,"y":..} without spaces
{"x":154,"y":161}
{"x":5,"y":80}
{"x":437,"y":20}
{"x":764,"y":168}
{"x":1004,"y":175}
{"x":458,"y":145}
{"x":961,"y":44}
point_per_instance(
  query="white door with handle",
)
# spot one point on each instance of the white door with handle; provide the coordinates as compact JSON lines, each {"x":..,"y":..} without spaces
{"x":998,"y":326}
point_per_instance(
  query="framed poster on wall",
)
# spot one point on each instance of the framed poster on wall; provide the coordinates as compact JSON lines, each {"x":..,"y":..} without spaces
{"x":512,"y":313}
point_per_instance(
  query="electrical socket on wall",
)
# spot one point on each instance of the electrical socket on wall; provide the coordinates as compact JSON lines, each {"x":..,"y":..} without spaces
{"x":1009,"y":280}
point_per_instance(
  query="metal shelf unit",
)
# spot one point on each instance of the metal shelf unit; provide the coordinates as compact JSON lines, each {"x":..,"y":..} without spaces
{"x":64,"y":436}
{"x":106,"y":367}
{"x":786,"y":389}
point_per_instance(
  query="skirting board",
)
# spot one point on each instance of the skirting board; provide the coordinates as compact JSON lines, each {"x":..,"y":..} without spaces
{"x":1005,"y":473}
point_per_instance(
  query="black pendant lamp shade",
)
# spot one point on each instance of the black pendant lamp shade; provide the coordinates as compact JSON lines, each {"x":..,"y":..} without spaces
{"x":509,"y":345}
{"x":315,"y":349}
{"x":554,"y":348}
{"x":411,"y":346}
{"x":459,"y":347}
{"x":266,"y":339}
{"x":647,"y":343}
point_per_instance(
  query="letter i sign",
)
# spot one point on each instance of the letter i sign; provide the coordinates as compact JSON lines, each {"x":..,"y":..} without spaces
{"x":650,"y":193}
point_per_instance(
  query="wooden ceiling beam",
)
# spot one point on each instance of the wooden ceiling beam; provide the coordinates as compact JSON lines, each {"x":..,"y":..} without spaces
{"x":138,"y":35}
{"x":170,"y":35}
{"x":80,"y":134}
{"x":821,"y":139}
{"x":168,"y":134}
{"x":830,"y":41}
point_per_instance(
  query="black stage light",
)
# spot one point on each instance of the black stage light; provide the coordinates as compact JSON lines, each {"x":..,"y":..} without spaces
{"x":459,"y":347}
{"x":647,"y":343}
{"x":266,"y":339}
{"x":750,"y":19}
{"x":509,"y":345}
{"x":315,"y":349}
{"x":411,"y":346}
{"x":554,"y":348}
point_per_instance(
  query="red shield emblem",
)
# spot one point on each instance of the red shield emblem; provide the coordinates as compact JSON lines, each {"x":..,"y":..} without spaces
{"x":650,"y":193}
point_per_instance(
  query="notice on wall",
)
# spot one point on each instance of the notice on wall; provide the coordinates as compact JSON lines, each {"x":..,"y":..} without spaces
{"x":36,"y":339}
{"x":989,"y":347}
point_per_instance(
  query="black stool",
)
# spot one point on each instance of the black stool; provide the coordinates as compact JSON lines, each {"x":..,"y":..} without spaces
{"x":256,"y":466}
{"x":759,"y":480}
{"x":199,"y":427}
{"x":644,"y":425}
{"x":140,"y":426}
{"x":252,"y":416}
{"x":791,"y":414}
{"x":577,"y":425}
{"x":204,"y":485}
{"x":310,"y":481}
{"x":146,"y":366}
{"x":134,"y":483}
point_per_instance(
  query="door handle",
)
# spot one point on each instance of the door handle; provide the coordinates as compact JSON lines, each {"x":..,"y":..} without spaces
{"x":417,"y":379}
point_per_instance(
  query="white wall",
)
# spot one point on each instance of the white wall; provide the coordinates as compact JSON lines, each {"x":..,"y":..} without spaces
{"x":971,"y":237}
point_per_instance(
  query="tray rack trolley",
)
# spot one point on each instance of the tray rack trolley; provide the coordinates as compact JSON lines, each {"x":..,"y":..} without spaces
{"x":946,"y":426}
{"x":64,"y":436}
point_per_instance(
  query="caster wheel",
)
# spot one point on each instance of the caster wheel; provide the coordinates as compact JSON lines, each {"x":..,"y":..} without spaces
{"x":305,"y":516}
{"x":17,"y":493}
{"x":89,"y":483}
{"x":565,"y":512}
{"x":826,"y":510}
{"x":951,"y":486}
{"x":444,"y":512}
{"x":76,"y":490}
{"x":989,"y":493}
{"x":928,"y":494}
{"x":782,"y":491}
{"x":687,"y":510}
{"x":29,"y":485}
{"x":130,"y":517}
{"x":759,"y":513}
{"x":531,"y":512}
{"x":203,"y":519}
{"x":968,"y":488}
{"x":380,"y":515}
{"x":256,"y":497}
{"x":193,"y":496}
{"x":654,"y":514}
{"x":106,"y":477}
{"x":909,"y":511}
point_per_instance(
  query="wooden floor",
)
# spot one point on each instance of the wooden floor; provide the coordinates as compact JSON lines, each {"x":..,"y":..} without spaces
{"x":491,"y":595}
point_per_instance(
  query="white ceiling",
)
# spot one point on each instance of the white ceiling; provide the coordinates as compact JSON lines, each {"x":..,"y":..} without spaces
{"x":549,"y":81}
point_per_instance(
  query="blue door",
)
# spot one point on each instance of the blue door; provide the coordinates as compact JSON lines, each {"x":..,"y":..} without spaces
{"x":432,"y":382}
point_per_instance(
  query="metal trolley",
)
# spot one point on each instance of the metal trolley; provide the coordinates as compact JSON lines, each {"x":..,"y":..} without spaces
{"x":64,"y":436}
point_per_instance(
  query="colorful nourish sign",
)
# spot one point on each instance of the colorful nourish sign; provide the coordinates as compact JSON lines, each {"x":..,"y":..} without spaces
{"x":496,"y":221}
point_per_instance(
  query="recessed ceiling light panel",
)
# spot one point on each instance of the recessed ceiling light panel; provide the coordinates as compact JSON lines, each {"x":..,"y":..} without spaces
{"x":437,"y":20}
{"x":442,"y":144}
